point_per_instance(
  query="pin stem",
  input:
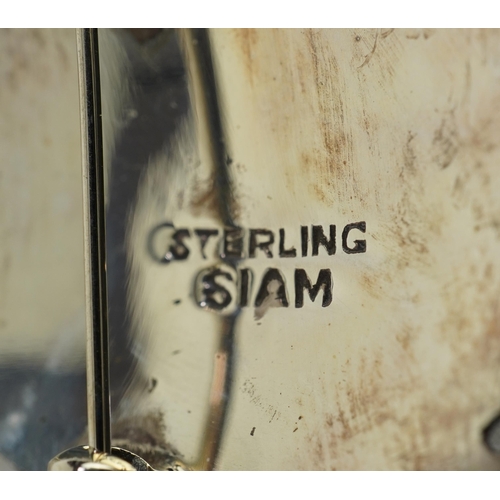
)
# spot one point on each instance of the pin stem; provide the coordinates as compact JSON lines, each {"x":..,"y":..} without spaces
{"x":98,"y":399}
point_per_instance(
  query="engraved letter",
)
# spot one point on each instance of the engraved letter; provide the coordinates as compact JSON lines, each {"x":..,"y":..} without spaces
{"x":177,"y":251}
{"x":272,"y":288}
{"x":263,"y":245}
{"x":291,"y":252}
{"x":304,"y":238}
{"x":204,"y":235}
{"x":302,"y":281}
{"x":359,"y":245}
{"x":233,"y":244}
{"x":319,"y":238}
{"x":209,"y":293}
{"x":245,"y":286}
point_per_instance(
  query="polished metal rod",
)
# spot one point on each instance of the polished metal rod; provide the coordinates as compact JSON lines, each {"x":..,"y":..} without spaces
{"x":203,"y":73}
{"x":98,"y":399}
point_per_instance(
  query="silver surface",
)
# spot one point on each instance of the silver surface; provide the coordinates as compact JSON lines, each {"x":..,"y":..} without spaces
{"x":386,"y":135}
{"x":391,"y":362}
{"x":42,"y":318}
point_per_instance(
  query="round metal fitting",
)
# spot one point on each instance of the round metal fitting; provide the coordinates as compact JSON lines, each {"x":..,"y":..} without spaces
{"x":86,"y":458}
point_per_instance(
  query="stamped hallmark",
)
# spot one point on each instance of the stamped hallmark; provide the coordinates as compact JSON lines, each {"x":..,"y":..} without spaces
{"x":219,"y":287}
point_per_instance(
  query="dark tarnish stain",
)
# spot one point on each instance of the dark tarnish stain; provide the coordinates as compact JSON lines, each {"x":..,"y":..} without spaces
{"x":411,"y":241}
{"x":415,"y":33}
{"x":150,"y":430}
{"x":441,"y":426}
{"x":482,"y":138}
{"x":371,"y":283}
{"x":405,"y":339}
{"x":311,"y":38}
{"x":319,"y":452}
{"x":365,"y":397}
{"x":414,"y":223}
{"x":487,"y":347}
{"x":476,"y":147}
{"x":329,"y":420}
{"x":246,"y":40}
{"x":145,"y":436}
{"x":414,"y":441}
{"x":322,"y":191}
{"x":366,"y":407}
{"x":301,"y":62}
{"x":409,"y":156}
{"x":336,"y":138}
{"x":205,"y":198}
{"x":446,"y":141}
{"x":347,"y":431}
{"x":252,"y":431}
{"x":428,"y":32}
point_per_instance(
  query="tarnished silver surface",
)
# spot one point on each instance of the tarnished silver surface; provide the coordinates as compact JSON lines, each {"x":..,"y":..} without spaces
{"x":248,"y":339}
{"x":303,"y":253}
{"x":42,"y":319}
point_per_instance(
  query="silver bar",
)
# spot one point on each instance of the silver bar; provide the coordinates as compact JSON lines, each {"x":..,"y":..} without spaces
{"x":95,"y":244}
